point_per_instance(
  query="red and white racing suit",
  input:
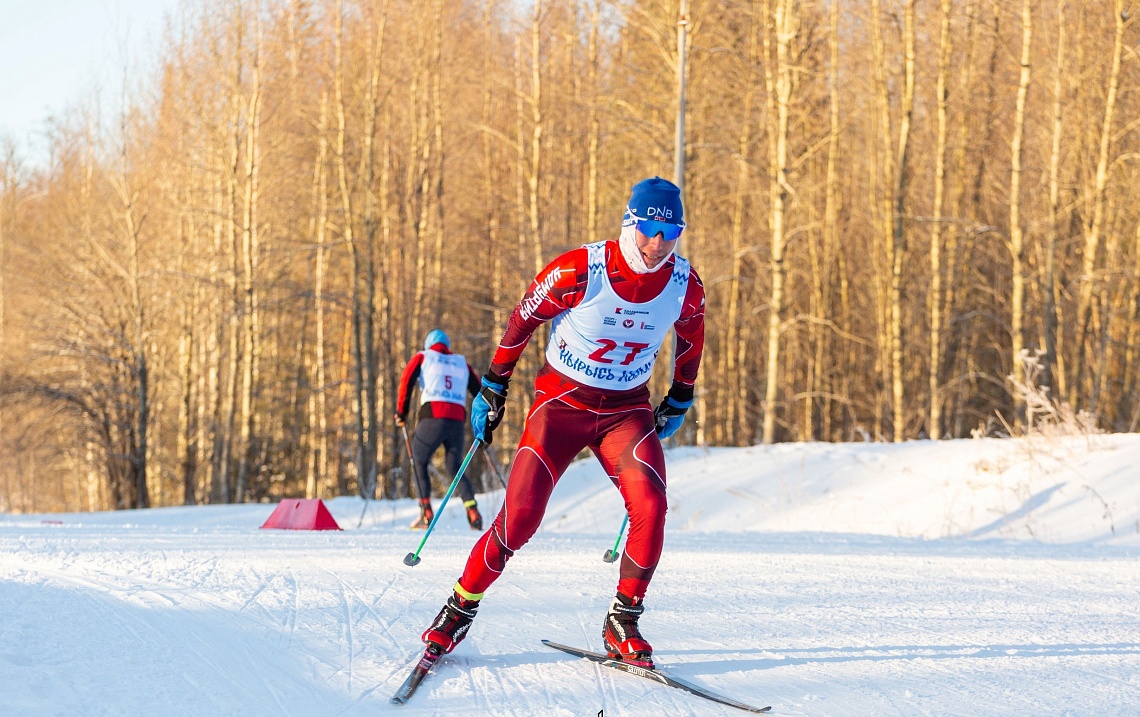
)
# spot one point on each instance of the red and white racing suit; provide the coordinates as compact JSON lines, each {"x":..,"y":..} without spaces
{"x":608,"y":325}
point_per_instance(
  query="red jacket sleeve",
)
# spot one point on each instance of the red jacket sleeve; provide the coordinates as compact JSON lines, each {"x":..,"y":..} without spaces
{"x":558,"y":287}
{"x":411,"y":373}
{"x":690,"y":329}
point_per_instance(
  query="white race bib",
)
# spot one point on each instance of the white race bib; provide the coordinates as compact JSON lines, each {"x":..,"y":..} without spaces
{"x":608,"y":342}
{"x":443,"y":377}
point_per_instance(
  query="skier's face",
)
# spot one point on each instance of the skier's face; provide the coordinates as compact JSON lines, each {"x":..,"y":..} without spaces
{"x":654,"y":249}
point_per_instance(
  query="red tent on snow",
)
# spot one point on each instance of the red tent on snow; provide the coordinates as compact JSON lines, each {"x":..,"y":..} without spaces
{"x":302,"y":514}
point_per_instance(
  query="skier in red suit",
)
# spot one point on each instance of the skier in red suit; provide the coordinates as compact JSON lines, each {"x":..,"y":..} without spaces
{"x":610,"y":305}
{"x":442,"y":378}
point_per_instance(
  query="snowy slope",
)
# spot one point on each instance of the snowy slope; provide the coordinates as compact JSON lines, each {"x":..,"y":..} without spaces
{"x":953,"y":578}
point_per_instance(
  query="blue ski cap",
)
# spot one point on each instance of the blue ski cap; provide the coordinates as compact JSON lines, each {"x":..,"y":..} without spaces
{"x":655,"y":208}
{"x":436,"y":336}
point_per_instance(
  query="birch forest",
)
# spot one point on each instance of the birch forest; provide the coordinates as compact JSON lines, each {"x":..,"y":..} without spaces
{"x":208,"y":294}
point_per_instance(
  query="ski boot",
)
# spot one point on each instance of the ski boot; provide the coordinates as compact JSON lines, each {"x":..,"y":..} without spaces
{"x":451,"y":624}
{"x":622,"y":638}
{"x":473,"y":518}
{"x":426,"y":515}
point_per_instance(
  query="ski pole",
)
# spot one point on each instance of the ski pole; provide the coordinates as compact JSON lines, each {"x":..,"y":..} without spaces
{"x":495,"y":469}
{"x":412,"y":464}
{"x":361,"y":521}
{"x":612,"y":555}
{"x":368,"y":491}
{"x":413,"y":559}
{"x":408,"y":445}
{"x":367,"y":502}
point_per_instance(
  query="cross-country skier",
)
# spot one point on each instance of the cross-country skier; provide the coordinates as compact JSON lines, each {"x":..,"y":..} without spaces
{"x":444,"y":379}
{"x":611,"y":305}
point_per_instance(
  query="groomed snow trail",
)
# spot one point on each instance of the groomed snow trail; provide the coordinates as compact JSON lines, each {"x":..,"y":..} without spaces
{"x":194,"y":611}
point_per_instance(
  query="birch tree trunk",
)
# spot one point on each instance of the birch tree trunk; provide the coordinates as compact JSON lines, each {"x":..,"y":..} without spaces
{"x":593,"y":127}
{"x":231,"y":224}
{"x":783,"y":25}
{"x":251,"y":249}
{"x":896,"y":178}
{"x":1016,"y":236}
{"x":187,"y":450}
{"x":735,"y":393}
{"x":1095,"y":225}
{"x":490,"y":191}
{"x":347,"y":219}
{"x":1051,"y":374}
{"x":533,"y":173}
{"x":318,"y":423}
{"x":898,"y":243}
{"x":366,"y":340}
{"x":949,"y":340}
{"x":437,"y":136}
{"x":132,"y":217}
{"x":832,"y":197}
{"x":945,"y":42}
{"x":1132,"y":405}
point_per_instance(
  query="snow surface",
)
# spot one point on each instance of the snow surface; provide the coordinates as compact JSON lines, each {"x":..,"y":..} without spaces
{"x":971,"y":577}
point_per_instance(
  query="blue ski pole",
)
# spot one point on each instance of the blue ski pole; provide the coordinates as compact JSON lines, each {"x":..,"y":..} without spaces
{"x":413,"y":559}
{"x":612,"y":555}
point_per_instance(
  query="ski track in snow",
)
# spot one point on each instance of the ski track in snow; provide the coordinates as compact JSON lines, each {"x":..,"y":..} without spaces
{"x":952,"y":578}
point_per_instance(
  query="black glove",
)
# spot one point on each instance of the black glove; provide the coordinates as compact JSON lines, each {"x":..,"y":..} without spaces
{"x":487,"y":408}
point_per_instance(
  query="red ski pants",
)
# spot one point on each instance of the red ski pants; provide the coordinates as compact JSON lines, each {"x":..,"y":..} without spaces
{"x":558,"y":427}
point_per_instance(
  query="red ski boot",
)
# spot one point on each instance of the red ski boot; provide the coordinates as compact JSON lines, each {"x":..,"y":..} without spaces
{"x":474,"y":519}
{"x":426,"y":514}
{"x":623,"y":640}
{"x":452,"y":623}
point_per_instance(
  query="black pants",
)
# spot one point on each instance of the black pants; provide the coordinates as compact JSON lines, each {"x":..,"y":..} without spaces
{"x":431,"y":433}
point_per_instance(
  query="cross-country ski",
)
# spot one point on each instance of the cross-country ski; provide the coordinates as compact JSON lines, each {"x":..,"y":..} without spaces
{"x":419,"y":672}
{"x":657,"y":675}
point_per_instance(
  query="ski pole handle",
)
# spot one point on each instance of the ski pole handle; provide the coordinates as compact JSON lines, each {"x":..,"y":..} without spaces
{"x":413,"y":559}
{"x":612,"y":555}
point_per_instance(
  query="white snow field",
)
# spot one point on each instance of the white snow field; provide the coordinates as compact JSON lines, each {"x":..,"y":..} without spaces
{"x":968,"y":577}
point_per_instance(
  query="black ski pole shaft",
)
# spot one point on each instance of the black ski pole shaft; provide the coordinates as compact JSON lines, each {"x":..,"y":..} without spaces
{"x":495,"y":469}
{"x":612,"y":555}
{"x":407,"y":442}
{"x":369,"y":491}
{"x":361,"y":521}
{"x":411,"y":458}
{"x":413,"y":559}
